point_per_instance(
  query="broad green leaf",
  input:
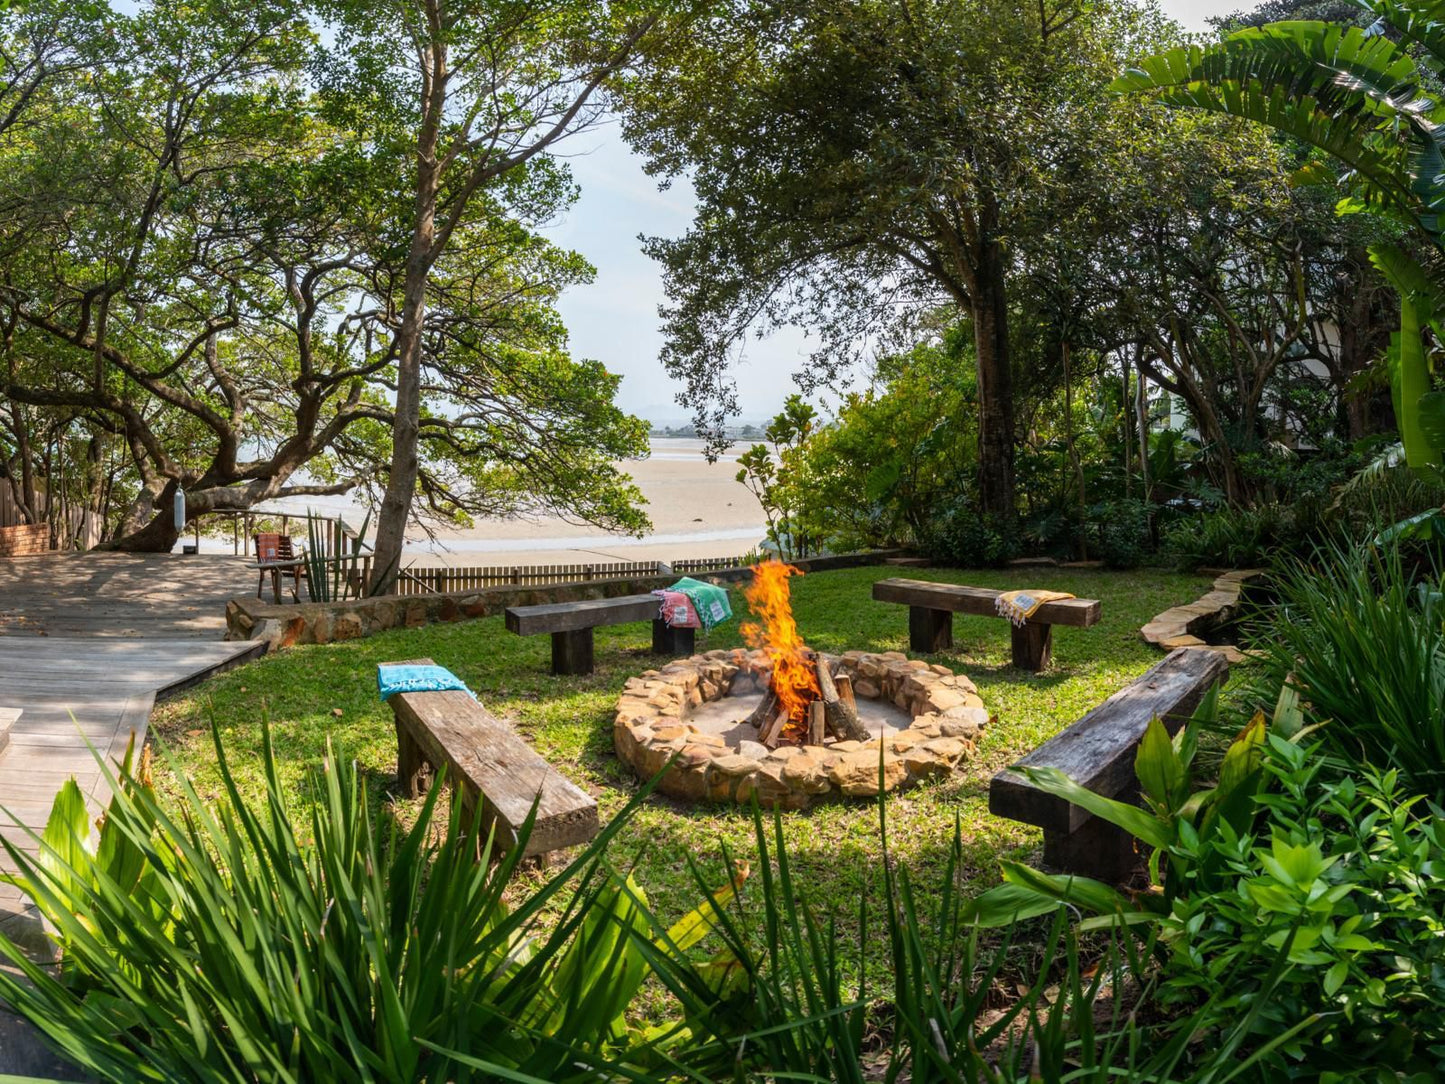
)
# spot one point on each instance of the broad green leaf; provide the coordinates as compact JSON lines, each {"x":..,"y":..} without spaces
{"x":694,"y":926}
{"x":66,"y":851}
{"x":1431,"y":411}
{"x":1161,"y":773}
{"x":1420,"y":299}
{"x":1131,"y":818}
{"x":1335,"y":977}
{"x":1288,"y":719}
{"x":1008,"y":903}
{"x":1083,"y":892}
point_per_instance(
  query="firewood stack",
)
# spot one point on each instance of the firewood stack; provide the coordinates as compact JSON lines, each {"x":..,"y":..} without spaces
{"x":834,"y":711}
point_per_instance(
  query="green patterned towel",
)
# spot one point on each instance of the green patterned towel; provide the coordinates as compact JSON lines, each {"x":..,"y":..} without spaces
{"x":710,"y":601}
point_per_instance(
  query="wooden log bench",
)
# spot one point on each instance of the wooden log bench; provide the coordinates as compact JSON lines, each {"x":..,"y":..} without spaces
{"x":571,"y":623}
{"x":931,"y":607}
{"x":1098,"y":752}
{"x":486,"y":760}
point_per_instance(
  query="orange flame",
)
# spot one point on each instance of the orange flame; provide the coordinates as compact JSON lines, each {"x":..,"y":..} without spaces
{"x":794,"y":679}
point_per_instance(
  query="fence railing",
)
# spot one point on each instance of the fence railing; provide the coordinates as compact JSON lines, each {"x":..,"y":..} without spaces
{"x":427,"y":581}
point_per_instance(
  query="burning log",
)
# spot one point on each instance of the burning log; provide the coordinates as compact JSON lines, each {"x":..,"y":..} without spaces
{"x":842,"y":717}
{"x":845,"y":692}
{"x":773,"y":733}
{"x":767,"y":707}
{"x":816,"y":723}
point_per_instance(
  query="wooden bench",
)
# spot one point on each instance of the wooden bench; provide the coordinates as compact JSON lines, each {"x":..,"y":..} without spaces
{"x":931,"y":607}
{"x":486,"y":759}
{"x":571,"y":625}
{"x":1097,"y":752}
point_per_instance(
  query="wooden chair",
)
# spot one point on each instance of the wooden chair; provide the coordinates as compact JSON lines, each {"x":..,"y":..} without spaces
{"x":275,"y":555}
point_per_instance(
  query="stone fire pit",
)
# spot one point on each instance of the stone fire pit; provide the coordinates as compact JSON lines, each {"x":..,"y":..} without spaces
{"x":926,"y":719}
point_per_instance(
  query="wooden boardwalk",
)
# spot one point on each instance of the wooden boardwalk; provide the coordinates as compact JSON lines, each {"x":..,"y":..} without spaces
{"x":88,"y":643}
{"x":125,"y":595}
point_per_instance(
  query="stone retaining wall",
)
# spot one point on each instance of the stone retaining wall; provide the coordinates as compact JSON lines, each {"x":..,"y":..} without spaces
{"x":25,"y":540}
{"x":324,"y":622}
{"x":1186,"y":626}
{"x":651,"y":731}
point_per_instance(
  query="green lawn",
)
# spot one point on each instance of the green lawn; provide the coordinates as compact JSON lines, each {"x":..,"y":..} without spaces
{"x":316,"y":694}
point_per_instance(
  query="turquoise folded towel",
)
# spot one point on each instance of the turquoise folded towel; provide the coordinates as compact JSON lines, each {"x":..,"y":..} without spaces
{"x":391,"y":678}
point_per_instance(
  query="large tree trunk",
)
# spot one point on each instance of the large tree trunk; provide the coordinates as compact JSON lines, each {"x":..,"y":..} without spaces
{"x":158,"y":534}
{"x":1141,"y":410}
{"x":395,"y":509}
{"x":405,"y":456}
{"x":995,"y":386}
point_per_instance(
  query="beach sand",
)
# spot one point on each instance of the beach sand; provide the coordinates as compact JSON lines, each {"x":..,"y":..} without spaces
{"x":698,"y":509}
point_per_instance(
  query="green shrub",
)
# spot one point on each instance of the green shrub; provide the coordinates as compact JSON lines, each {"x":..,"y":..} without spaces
{"x":1231,"y":537}
{"x":1121,"y":532}
{"x":963,"y":536}
{"x":215,"y":946}
{"x":1363,"y":643}
{"x":1297,"y":919}
{"x":1332,"y":916}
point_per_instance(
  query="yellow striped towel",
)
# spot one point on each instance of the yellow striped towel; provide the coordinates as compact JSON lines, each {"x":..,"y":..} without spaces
{"x":1019,"y":606}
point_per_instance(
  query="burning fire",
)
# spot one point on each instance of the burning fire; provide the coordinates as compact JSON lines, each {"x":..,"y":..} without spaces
{"x":794,"y":679}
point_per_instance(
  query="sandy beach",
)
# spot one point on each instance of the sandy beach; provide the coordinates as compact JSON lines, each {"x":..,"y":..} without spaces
{"x":698,"y":509}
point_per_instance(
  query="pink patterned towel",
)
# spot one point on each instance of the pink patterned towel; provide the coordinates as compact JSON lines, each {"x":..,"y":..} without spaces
{"x":678,"y":611}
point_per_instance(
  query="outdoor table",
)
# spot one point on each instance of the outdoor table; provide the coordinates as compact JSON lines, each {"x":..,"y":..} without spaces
{"x":276,"y":568}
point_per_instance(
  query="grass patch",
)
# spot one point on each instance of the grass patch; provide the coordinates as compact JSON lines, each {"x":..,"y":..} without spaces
{"x":312,"y":694}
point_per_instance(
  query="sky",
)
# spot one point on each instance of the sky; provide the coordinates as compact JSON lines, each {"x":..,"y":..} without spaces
{"x":615,"y":321}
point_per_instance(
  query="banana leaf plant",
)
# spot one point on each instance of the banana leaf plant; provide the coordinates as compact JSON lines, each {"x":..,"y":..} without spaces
{"x":1369,"y":99}
{"x":1190,"y":831}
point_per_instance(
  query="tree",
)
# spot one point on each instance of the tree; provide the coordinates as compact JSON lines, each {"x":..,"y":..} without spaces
{"x":465,"y":97}
{"x":1364,"y":100}
{"x":206,"y":277}
{"x":858,"y":164}
{"x":776,"y":476}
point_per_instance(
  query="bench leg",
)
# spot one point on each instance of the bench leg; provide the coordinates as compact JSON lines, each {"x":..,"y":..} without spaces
{"x":1033,"y":645}
{"x":412,"y":768}
{"x":572,"y":652}
{"x":929,"y":631}
{"x":667,"y":640}
{"x":1097,"y":849}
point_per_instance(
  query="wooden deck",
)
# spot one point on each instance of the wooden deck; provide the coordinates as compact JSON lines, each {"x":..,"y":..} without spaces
{"x":88,"y":643}
{"x":124,"y":595}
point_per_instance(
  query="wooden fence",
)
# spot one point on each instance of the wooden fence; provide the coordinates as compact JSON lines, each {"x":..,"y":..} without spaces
{"x":428,"y":581}
{"x":77,"y":528}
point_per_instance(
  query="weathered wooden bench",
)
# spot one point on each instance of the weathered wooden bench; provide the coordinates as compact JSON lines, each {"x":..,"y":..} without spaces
{"x":1098,"y":752}
{"x":571,"y":625}
{"x":486,"y":760}
{"x":931,"y":607}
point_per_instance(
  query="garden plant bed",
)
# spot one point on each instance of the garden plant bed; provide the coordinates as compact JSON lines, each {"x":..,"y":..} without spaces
{"x":691,"y":717}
